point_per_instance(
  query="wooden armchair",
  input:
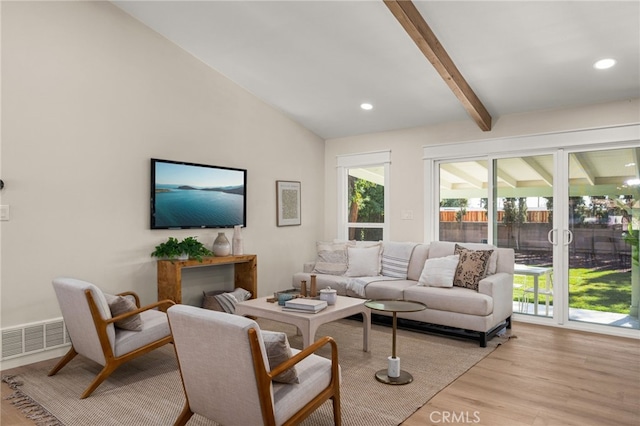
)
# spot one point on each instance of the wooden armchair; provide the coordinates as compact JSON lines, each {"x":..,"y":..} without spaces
{"x":94,"y":335}
{"x":226,"y":375}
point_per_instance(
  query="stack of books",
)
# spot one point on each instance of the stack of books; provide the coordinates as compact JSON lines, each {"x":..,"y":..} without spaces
{"x":309,"y":306}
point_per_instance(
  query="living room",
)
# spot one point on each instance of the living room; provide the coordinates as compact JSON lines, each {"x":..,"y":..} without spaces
{"x":90,"y":94}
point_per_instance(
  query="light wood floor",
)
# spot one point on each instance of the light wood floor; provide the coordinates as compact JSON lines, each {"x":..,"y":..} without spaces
{"x":545,"y":376}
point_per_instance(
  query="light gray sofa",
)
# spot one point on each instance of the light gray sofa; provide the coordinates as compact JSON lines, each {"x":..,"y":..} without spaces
{"x":454,"y":310}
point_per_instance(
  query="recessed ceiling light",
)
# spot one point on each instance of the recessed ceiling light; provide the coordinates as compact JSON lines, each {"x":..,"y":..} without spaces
{"x":603,"y":64}
{"x":630,"y":164}
{"x":366,"y":106}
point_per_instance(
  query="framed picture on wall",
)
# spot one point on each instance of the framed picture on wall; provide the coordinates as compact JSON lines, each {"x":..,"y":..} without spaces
{"x":288,"y":203}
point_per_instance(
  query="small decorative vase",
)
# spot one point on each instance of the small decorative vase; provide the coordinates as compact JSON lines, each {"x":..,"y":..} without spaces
{"x":237,"y":241}
{"x":221,"y":245}
{"x":313,"y":290}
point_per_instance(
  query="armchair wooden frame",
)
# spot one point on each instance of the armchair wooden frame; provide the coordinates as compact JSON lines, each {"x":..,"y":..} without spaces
{"x":111,"y":361}
{"x":264,"y":380}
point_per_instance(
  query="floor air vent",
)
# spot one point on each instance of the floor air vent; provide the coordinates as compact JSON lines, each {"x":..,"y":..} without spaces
{"x":33,"y":338}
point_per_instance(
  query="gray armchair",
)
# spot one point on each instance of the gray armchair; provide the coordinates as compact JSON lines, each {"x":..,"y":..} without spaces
{"x":93,"y":330}
{"x":224,"y":368}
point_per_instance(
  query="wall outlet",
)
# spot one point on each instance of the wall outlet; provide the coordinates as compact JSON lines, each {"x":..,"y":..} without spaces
{"x":407,"y":214}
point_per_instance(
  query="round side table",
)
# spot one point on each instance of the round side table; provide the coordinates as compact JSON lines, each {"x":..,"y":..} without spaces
{"x":393,"y":375}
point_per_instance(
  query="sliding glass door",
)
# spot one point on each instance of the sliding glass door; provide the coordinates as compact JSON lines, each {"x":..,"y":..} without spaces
{"x":463,"y":201}
{"x":604,"y":192}
{"x":569,"y":209}
{"x":523,"y":188}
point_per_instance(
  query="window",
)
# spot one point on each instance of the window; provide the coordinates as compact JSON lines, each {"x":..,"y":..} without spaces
{"x":363,"y":194}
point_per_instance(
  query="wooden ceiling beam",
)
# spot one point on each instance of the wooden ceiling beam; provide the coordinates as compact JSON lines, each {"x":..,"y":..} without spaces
{"x":417,"y":28}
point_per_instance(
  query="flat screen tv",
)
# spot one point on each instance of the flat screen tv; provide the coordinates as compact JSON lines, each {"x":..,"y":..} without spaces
{"x":189,"y":195}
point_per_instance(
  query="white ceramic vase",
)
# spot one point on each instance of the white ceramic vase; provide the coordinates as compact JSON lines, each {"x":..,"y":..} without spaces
{"x":238,"y":249}
{"x":221,"y":245}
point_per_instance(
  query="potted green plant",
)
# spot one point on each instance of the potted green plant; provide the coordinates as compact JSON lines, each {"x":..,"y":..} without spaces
{"x":189,"y":248}
{"x":194,"y":248}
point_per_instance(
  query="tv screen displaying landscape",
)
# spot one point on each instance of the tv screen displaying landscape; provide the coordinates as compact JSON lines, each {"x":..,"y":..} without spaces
{"x":189,"y":195}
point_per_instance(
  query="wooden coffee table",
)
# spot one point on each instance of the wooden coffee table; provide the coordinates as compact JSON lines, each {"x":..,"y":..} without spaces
{"x":308,"y":324}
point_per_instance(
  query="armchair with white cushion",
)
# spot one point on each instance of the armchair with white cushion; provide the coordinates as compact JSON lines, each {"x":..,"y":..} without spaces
{"x":227,"y":375}
{"x":109,"y":330}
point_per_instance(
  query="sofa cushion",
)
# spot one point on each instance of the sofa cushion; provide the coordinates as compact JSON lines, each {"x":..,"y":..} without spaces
{"x":363,"y":261}
{"x":439,"y":272}
{"x":393,"y":289}
{"x":337,"y":282}
{"x":331,"y":257}
{"x":454,"y":299}
{"x":472,"y":267}
{"x":154,"y":327}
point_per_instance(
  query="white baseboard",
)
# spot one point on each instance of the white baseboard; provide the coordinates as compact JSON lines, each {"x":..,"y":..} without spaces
{"x":33,"y":358}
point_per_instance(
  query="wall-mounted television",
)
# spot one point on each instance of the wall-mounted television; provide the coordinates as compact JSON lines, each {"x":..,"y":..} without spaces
{"x":190,"y":195}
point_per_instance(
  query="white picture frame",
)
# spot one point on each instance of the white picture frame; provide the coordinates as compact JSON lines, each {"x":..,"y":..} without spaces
{"x":288,"y":203}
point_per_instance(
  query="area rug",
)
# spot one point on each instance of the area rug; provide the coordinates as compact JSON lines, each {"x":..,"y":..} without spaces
{"x":148,"y":391}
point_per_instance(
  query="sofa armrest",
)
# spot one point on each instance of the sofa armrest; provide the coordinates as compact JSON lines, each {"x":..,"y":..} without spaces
{"x":496,"y":284}
{"x":500,"y":288}
{"x":308,"y":267}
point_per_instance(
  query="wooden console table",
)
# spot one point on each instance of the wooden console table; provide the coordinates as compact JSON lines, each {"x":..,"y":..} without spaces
{"x":170,"y":274}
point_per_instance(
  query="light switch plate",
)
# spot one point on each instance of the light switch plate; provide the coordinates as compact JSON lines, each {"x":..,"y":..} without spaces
{"x":407,"y":214}
{"x":4,"y":212}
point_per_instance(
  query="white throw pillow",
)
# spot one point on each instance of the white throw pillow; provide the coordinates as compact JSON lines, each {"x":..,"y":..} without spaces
{"x":439,"y":271}
{"x":363,"y":261}
{"x":331,"y":257}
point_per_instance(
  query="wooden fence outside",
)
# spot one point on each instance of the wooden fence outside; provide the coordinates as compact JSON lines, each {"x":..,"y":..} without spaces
{"x":588,"y":240}
{"x":535,"y":216}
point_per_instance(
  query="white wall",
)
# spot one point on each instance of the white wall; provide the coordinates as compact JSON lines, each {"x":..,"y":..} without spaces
{"x":88,"y":96}
{"x":407,"y":179}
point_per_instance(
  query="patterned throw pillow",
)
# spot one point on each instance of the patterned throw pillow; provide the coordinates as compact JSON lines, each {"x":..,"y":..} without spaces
{"x":472,"y":267}
{"x":278,"y":351}
{"x":331,"y":257}
{"x":120,"y":305}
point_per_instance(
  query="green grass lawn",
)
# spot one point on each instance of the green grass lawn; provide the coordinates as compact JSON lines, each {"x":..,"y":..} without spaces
{"x":596,"y":290}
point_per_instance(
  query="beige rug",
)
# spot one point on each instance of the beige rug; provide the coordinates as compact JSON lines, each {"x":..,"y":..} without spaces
{"x":148,"y":391}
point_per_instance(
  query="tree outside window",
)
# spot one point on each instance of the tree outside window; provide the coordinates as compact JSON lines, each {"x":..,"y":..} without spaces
{"x":366,"y":207}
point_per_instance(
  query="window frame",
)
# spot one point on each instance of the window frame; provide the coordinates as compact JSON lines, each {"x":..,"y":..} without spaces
{"x":361,"y":160}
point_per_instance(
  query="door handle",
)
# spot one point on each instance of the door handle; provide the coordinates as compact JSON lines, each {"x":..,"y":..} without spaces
{"x":569,"y":234}
{"x":551,"y":237}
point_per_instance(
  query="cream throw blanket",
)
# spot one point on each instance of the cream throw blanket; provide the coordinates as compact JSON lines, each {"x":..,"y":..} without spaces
{"x":358,"y":285}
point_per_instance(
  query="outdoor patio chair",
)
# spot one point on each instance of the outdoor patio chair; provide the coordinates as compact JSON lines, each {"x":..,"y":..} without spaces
{"x":96,"y":334}
{"x":546,"y":291}
{"x":226,"y":376}
{"x":518,"y":290}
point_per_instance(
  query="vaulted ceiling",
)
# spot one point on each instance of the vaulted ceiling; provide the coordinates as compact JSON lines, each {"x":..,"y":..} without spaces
{"x":317,"y":61}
